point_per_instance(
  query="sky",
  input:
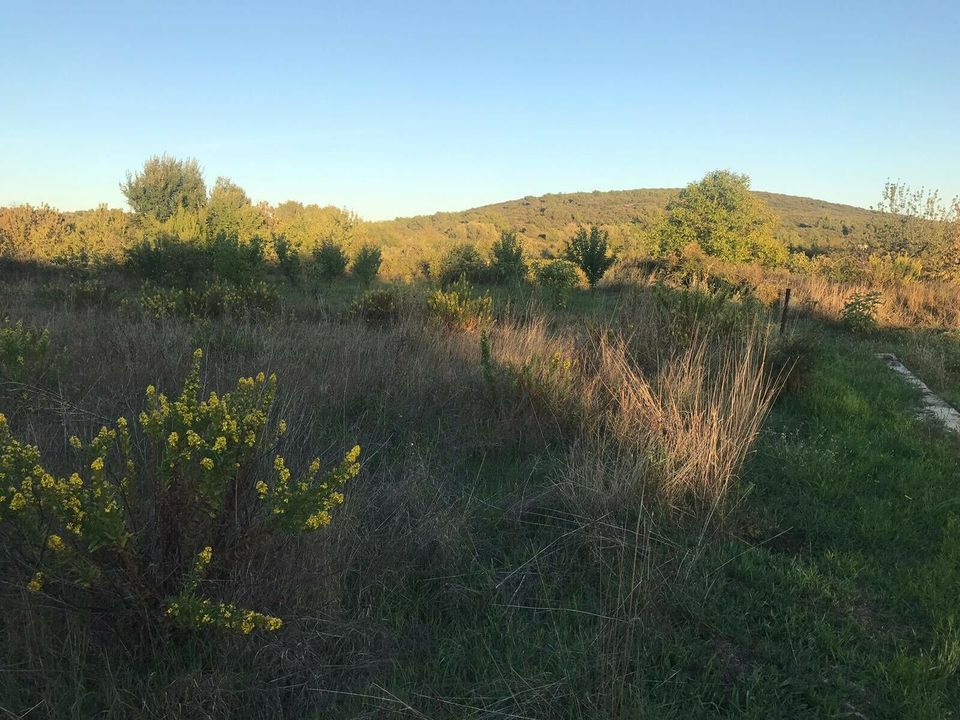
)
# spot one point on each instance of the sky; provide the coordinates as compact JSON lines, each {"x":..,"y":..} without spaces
{"x":401,"y":108}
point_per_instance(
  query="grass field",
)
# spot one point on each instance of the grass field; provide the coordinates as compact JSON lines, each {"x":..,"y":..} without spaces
{"x":645,"y":504}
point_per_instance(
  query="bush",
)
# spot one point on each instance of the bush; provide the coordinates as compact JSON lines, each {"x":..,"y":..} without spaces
{"x":590,"y":253}
{"x":211,"y":300}
{"x":24,"y":353}
{"x":237,"y":262}
{"x":558,"y":278}
{"x":376,"y":306}
{"x":458,"y":307}
{"x":330,"y":260}
{"x":860,"y":311}
{"x":366,"y":263}
{"x":461,"y":261}
{"x":167,"y":260}
{"x":506,"y":259}
{"x":288,"y":257}
{"x":137,"y":541}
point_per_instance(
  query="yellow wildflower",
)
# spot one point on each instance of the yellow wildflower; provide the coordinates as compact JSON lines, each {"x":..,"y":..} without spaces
{"x":193,"y":440}
{"x":36,"y":583}
{"x":173,"y":439}
{"x":55,"y":543}
{"x":274,"y":623}
{"x":262,"y":488}
{"x":282,"y":427}
{"x":18,"y":502}
{"x":97,"y":464}
{"x":207,"y":463}
{"x":220,"y":444}
{"x":75,"y":442}
{"x":151,"y":391}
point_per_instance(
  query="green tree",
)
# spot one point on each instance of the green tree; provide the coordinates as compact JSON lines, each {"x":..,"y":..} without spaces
{"x":506,"y":258}
{"x":590,"y":252}
{"x":724,"y":218}
{"x":366,"y":263}
{"x":230,"y":213}
{"x":164,"y":186}
{"x":330,"y":259}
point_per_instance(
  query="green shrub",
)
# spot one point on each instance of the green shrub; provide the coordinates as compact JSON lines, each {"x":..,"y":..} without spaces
{"x":860,"y":311}
{"x":330,"y":260}
{"x":377,"y":306}
{"x":558,"y":278}
{"x":240,"y":263}
{"x":288,"y":257}
{"x":590,"y":252}
{"x":461,"y":261}
{"x":167,"y":260}
{"x":366,"y":263}
{"x":211,"y":300}
{"x":459,"y":307}
{"x":506,"y":259}
{"x":24,"y":353}
{"x":136,"y":540}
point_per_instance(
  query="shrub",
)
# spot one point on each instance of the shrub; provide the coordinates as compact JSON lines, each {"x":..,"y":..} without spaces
{"x":376,"y":306}
{"x":558,"y":278}
{"x":860,"y":311}
{"x":330,"y":260}
{"x":237,"y":262}
{"x":211,"y":300}
{"x":137,"y":541}
{"x":24,"y":353}
{"x":366,"y":263}
{"x":458,"y":307}
{"x":461,"y":261}
{"x":590,"y":253}
{"x":506,"y":258}
{"x":167,"y":260}
{"x":288,"y":257}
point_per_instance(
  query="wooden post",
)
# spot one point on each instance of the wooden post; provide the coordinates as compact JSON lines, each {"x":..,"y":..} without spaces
{"x":783,"y":312}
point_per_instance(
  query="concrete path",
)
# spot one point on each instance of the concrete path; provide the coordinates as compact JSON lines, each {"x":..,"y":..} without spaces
{"x":933,"y":406}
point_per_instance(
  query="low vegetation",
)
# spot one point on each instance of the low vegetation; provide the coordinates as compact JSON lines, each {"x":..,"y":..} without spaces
{"x":599,"y":479}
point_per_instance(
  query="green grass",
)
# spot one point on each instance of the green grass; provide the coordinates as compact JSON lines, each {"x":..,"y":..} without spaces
{"x":835,"y":595}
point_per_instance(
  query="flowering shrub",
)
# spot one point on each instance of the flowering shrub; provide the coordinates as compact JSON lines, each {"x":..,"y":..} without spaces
{"x":146,"y":536}
{"x":459,"y":308}
{"x":212,"y":300}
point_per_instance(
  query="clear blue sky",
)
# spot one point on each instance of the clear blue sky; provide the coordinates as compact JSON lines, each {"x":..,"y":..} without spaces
{"x":396,"y":108}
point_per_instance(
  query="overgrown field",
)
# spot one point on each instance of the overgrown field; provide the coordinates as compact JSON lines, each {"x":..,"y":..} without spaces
{"x":635,"y":500}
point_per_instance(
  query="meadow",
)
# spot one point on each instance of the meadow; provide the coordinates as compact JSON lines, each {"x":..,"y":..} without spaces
{"x":485,"y":488}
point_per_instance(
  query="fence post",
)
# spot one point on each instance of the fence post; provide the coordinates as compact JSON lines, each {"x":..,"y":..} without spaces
{"x":783,"y":312}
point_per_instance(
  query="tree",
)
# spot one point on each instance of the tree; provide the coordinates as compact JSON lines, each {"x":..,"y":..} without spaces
{"x":230,"y":213}
{"x":506,"y":258}
{"x":724,"y":218}
{"x":918,"y":224}
{"x":164,"y":186}
{"x":366,"y":263}
{"x":590,"y":252}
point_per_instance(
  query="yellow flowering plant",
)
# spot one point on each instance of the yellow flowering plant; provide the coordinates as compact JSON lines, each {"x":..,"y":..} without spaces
{"x":149,"y":532}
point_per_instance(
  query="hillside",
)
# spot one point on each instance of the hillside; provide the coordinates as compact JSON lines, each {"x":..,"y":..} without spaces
{"x":546,"y":221}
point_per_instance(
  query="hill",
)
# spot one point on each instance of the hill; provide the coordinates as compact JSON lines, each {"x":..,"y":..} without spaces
{"x":545,"y":221}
